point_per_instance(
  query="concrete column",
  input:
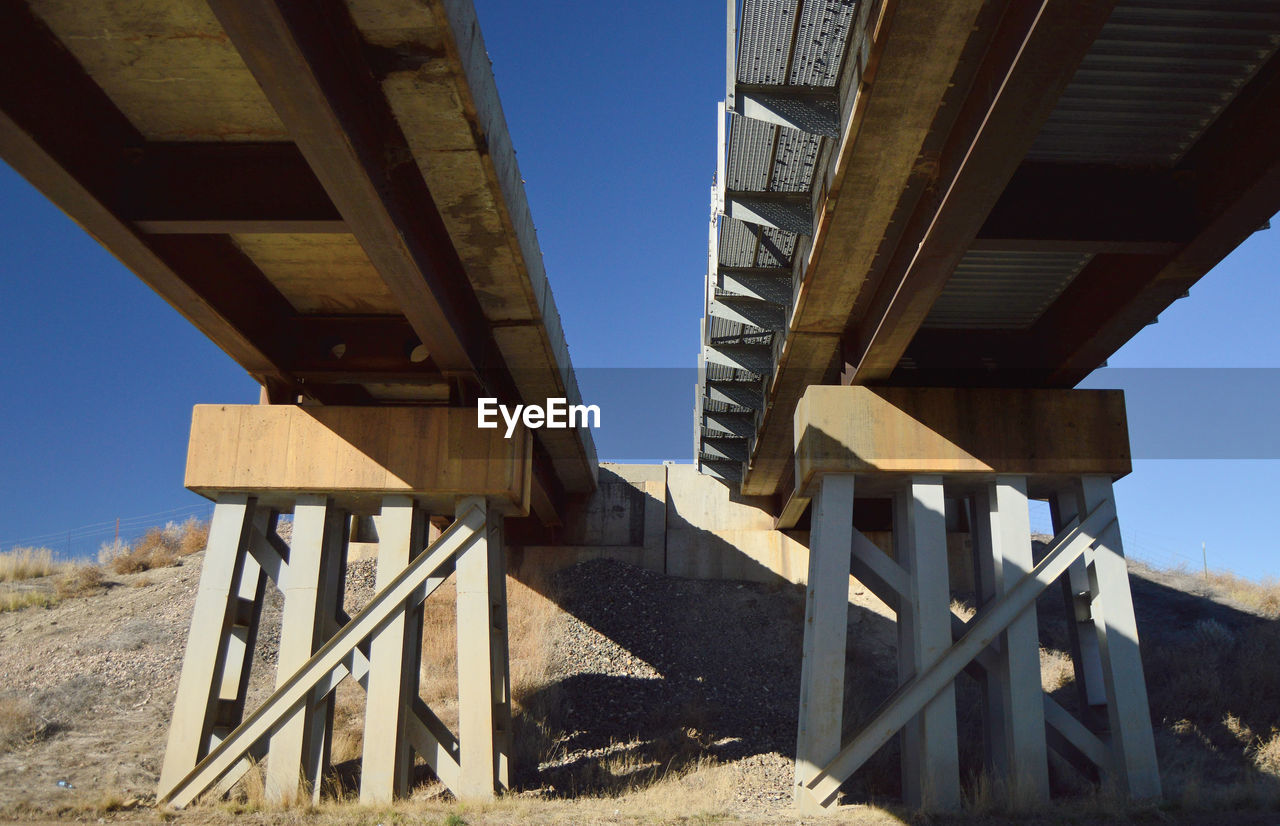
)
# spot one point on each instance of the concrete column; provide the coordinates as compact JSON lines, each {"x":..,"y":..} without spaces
{"x":1129,"y":717}
{"x":1083,"y":638}
{"x":300,"y":629}
{"x":825,"y":631}
{"x":911,"y":735}
{"x":196,"y":702}
{"x":985,"y":568}
{"x":236,"y":653}
{"x":1022,"y":698}
{"x":484,"y":710}
{"x":500,"y":654}
{"x":931,"y":770}
{"x":386,"y":760}
{"x":332,"y":587}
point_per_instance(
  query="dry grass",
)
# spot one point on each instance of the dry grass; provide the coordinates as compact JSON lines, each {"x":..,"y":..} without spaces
{"x":1266,"y":753}
{"x":1261,"y":598}
{"x":702,"y":789}
{"x":985,"y":795}
{"x":158,"y":548}
{"x":20,"y":600}
{"x":1056,"y":669}
{"x":1215,"y":695}
{"x":19,"y":723}
{"x":26,"y":563}
{"x":70,"y":579}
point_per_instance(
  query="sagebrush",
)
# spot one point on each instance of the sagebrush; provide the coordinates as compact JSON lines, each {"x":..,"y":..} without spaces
{"x":158,"y":547}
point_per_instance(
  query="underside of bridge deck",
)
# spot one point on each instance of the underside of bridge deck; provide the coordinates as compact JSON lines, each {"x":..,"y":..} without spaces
{"x":969,"y":194}
{"x":327,"y":191}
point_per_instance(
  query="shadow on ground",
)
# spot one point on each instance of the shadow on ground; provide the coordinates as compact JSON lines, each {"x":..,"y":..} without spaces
{"x":724,"y":685}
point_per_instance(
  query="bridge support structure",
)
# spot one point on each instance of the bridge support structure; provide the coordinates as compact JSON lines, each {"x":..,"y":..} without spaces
{"x":324,"y":464}
{"x":991,"y":450}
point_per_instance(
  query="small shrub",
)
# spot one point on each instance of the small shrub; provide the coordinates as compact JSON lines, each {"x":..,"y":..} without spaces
{"x":153,"y":550}
{"x":1056,"y":669}
{"x":156,"y":549}
{"x":194,"y":536}
{"x":1266,"y":753}
{"x":19,"y":723}
{"x":78,"y":580}
{"x":25,"y":563}
{"x":108,"y":552}
{"x":1211,"y":633}
{"x":161,"y":547}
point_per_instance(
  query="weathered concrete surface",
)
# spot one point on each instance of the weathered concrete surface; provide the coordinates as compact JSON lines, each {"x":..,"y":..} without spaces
{"x":715,"y":534}
{"x":672,"y":519}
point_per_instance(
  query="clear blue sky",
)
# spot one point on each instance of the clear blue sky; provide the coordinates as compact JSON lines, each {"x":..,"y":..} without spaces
{"x":611,"y":109}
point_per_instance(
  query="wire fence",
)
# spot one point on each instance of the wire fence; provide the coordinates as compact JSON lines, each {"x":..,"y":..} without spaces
{"x":1153,"y":549}
{"x":84,"y":542}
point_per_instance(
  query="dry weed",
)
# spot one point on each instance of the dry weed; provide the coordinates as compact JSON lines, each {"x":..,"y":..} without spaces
{"x":19,"y":723}
{"x":984,"y":795}
{"x":530,"y":616}
{"x":1266,"y":753}
{"x":1262,"y":598}
{"x":158,"y":548}
{"x":1056,"y":669}
{"x":19,"y":600}
{"x":702,"y":791}
{"x":78,"y":580}
{"x":151,"y":551}
{"x":109,"y":551}
{"x":348,"y":726}
{"x":26,"y":563}
{"x":194,"y":537}
{"x":253,"y":788}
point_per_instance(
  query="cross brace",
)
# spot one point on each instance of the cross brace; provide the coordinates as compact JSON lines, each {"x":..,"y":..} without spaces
{"x":334,"y":661}
{"x":912,"y":696}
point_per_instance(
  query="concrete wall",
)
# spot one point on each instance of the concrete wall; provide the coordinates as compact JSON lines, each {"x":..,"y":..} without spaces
{"x":673,"y":520}
{"x":711,"y":534}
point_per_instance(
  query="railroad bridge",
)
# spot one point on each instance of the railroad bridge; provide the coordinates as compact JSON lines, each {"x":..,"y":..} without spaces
{"x":931,"y":219}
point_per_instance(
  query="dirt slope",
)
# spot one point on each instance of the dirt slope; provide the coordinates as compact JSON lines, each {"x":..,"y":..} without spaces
{"x":653,"y":692}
